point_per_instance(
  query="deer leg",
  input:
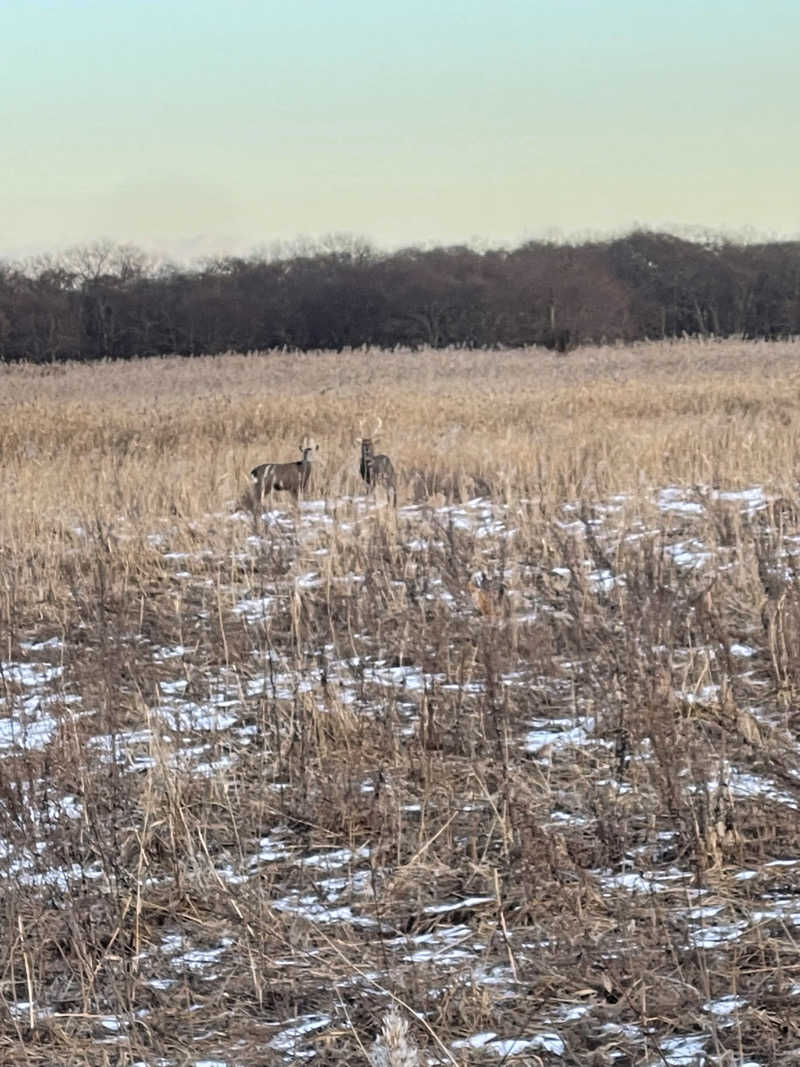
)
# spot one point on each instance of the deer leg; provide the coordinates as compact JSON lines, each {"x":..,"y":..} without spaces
{"x":258,"y":492}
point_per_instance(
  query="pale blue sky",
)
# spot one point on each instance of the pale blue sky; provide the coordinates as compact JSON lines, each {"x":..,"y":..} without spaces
{"x":193,"y":126}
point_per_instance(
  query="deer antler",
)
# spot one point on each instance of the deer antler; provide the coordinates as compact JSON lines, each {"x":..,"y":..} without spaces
{"x":378,"y":425}
{"x":361,"y":433}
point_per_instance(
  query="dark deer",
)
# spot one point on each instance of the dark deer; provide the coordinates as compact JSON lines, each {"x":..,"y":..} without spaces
{"x":377,"y":469}
{"x":285,"y":477}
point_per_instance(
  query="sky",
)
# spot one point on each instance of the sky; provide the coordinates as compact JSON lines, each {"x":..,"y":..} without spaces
{"x":200,"y":127}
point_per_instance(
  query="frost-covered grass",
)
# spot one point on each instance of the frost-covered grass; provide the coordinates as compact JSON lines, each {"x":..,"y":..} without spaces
{"x":508,"y":775}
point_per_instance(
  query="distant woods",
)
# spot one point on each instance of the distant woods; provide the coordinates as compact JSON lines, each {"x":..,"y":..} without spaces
{"x":111,"y":302}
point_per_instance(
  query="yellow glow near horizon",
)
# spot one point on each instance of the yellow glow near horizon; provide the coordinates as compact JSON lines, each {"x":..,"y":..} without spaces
{"x":192,"y":127}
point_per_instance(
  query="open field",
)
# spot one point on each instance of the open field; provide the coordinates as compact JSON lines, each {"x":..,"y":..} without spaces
{"x":521,"y":758}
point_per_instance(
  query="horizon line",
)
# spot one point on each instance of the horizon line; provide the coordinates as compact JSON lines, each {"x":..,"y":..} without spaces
{"x":302,"y":245}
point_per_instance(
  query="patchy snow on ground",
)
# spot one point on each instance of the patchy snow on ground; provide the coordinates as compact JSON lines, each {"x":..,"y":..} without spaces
{"x":447,"y":942}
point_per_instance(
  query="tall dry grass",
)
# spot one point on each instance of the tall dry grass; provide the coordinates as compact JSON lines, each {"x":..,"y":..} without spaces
{"x":108,"y":470}
{"x":138,"y":441}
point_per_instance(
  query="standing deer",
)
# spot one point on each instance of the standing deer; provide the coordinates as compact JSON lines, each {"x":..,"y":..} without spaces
{"x":288,"y":477}
{"x":377,"y":469}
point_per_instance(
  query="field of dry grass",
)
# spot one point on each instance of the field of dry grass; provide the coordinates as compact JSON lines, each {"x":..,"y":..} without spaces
{"x":520,"y":759}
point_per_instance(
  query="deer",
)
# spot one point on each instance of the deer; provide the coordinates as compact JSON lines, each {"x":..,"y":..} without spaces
{"x":286,"y":477}
{"x":377,"y":469}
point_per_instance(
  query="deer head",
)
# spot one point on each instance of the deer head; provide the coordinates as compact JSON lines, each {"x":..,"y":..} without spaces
{"x":363,"y":435}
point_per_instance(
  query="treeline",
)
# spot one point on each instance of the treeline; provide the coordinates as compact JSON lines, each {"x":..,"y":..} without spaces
{"x":111,"y":302}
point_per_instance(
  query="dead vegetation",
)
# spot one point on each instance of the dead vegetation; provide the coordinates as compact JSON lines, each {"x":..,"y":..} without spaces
{"x":518,"y":775}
